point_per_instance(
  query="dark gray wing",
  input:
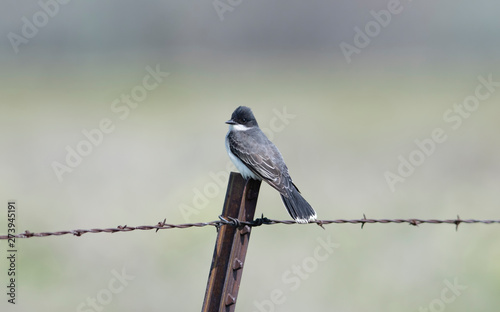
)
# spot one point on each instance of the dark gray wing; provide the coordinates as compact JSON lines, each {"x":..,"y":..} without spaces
{"x":263,"y":158}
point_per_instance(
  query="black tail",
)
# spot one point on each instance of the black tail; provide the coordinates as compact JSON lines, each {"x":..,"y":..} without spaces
{"x":298,"y":208}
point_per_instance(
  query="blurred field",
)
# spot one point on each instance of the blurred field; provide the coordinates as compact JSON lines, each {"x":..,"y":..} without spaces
{"x":347,"y":131}
{"x":349,"y":124}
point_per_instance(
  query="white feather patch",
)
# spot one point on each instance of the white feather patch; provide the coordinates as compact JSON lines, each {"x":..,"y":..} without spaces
{"x":242,"y":168}
{"x":239,"y":127}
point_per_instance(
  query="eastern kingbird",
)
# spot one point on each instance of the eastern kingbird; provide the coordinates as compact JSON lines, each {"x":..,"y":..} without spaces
{"x":258,"y":158}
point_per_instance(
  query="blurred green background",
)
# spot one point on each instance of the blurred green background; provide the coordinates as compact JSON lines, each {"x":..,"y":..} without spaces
{"x":351,"y":123}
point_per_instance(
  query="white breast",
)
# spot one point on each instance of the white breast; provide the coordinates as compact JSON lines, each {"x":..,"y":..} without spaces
{"x":242,"y":168}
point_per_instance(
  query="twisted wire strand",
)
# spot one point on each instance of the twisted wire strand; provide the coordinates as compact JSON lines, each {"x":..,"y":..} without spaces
{"x":238,"y":223}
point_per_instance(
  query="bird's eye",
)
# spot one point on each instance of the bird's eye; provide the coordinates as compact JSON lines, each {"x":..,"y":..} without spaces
{"x":244,"y":120}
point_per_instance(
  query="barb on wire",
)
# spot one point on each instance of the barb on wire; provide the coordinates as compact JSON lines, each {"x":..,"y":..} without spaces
{"x":162,"y":225}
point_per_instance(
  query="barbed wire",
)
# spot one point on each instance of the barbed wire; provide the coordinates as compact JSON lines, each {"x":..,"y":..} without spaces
{"x":238,"y":223}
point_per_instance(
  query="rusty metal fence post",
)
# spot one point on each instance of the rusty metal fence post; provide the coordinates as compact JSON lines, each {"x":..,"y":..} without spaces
{"x":231,"y":245}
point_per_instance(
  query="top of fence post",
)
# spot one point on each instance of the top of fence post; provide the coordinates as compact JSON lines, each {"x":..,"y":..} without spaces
{"x":231,"y":245}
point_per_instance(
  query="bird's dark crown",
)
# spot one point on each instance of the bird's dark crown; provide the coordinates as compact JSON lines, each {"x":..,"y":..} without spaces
{"x":243,"y":115}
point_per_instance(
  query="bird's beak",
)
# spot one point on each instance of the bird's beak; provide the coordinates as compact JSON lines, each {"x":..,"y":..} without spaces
{"x":230,"y":122}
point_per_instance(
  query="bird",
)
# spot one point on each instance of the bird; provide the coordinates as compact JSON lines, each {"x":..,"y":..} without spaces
{"x":256,"y":157}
